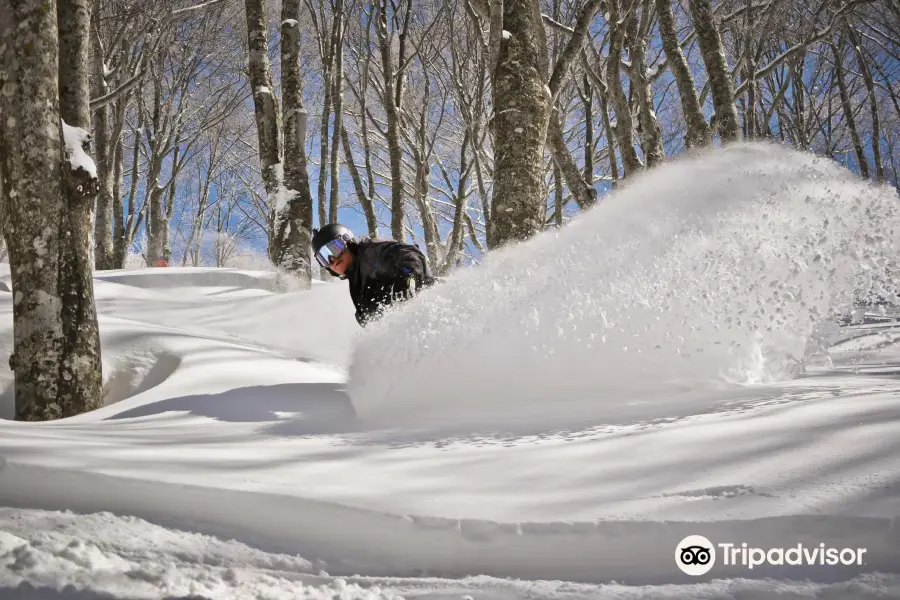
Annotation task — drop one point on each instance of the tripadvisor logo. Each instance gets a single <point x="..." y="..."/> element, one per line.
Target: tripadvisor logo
<point x="695" y="555"/>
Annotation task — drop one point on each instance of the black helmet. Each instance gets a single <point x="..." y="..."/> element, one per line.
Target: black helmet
<point x="332" y="231"/>
<point x="330" y="242"/>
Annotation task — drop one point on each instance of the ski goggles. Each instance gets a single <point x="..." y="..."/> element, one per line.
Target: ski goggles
<point x="329" y="253"/>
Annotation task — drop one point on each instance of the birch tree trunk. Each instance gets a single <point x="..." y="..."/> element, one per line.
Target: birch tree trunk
<point x="104" y="149"/>
<point x="49" y="192"/>
<point x="587" y="101"/>
<point x="368" y="205"/>
<point x="290" y="242"/>
<point x="557" y="196"/>
<point x="268" y="125"/>
<point x="873" y="104"/>
<point x="456" y="242"/>
<point x="522" y="105"/>
<point x="643" y="91"/>
<point x="624" y="127"/>
<point x="81" y="375"/>
<point x="393" y="92"/>
<point x="337" y="99"/>
<point x="720" y="81"/>
<point x="610" y="141"/>
<point x="124" y="229"/>
<point x="697" y="127"/>
<point x="32" y="154"/>
<point x="584" y="194"/>
<point x="323" y="135"/>
<point x="848" y="113"/>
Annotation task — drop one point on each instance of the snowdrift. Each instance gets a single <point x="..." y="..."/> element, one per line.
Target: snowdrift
<point x="165" y="332"/>
<point x="94" y="557"/>
<point x="704" y="273"/>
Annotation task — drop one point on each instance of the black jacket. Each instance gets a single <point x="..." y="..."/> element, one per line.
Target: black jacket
<point x="384" y="272"/>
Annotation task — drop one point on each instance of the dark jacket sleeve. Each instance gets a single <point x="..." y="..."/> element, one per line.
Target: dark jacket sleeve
<point x="395" y="262"/>
<point x="389" y="272"/>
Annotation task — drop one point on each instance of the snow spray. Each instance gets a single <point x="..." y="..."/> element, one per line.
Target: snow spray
<point x="707" y="272"/>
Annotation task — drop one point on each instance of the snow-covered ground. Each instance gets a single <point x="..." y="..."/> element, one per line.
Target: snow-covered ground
<point x="528" y="429"/>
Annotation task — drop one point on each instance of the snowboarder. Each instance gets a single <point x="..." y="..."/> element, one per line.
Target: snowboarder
<point x="380" y="272"/>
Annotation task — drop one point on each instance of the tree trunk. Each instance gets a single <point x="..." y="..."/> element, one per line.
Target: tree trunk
<point x="268" y="125"/>
<point x="557" y="196"/>
<point x="643" y="88"/>
<point x="323" y="141"/>
<point x="624" y="127"/>
<point x="32" y="155"/>
<point x="391" y="97"/>
<point x="49" y="191"/>
<point x="697" y="127"/>
<point x="848" y="113"/>
<point x="337" y="99"/>
<point x="104" y="149"/>
<point x="584" y="194"/>
<point x="457" y="239"/>
<point x="610" y="141"/>
<point x="799" y="109"/>
<point x="720" y="82"/>
<point x="522" y="111"/>
<point x="588" y="103"/>
<point x="169" y="206"/>
<point x="365" y="201"/>
<point x="873" y="104"/>
<point x="154" y="207"/>
<point x="81" y="375"/>
<point x="421" y="152"/>
<point x="749" y="76"/>
<point x="123" y="228"/>
<point x="290" y="246"/>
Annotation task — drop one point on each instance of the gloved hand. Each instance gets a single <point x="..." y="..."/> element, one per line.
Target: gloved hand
<point x="404" y="288"/>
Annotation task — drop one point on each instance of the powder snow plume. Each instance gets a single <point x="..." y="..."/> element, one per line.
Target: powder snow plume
<point x="705" y="273"/>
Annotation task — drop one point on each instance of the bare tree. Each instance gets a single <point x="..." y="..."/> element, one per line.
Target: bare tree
<point x="720" y="80"/>
<point x="641" y="83"/>
<point x="392" y="98"/>
<point x="697" y="127"/>
<point x="289" y="246"/>
<point x="268" y="119"/>
<point x="849" y="113"/>
<point x="50" y="183"/>
<point x="522" y="103"/>
<point x="866" y="71"/>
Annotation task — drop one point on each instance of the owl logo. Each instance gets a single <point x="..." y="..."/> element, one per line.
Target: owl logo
<point x="695" y="555"/>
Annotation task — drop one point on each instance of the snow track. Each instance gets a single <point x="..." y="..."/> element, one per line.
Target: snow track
<point x="63" y="556"/>
<point x="351" y="541"/>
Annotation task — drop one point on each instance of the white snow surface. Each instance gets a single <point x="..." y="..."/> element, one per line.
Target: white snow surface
<point x="490" y="439"/>
<point x="100" y="556"/>
<point x="74" y="137"/>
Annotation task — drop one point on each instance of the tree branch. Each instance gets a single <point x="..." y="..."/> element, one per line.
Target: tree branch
<point x="816" y="37"/>
<point x="573" y="47"/>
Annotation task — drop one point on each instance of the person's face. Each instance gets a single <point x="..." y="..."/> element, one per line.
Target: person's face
<point x="341" y="262"/>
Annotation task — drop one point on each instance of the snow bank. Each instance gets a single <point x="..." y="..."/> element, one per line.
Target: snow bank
<point x="699" y="275"/>
<point x="316" y="324"/>
<point x="130" y="558"/>
<point x="184" y="332"/>
<point x="51" y="555"/>
<point x="349" y="541"/>
<point x="191" y="277"/>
